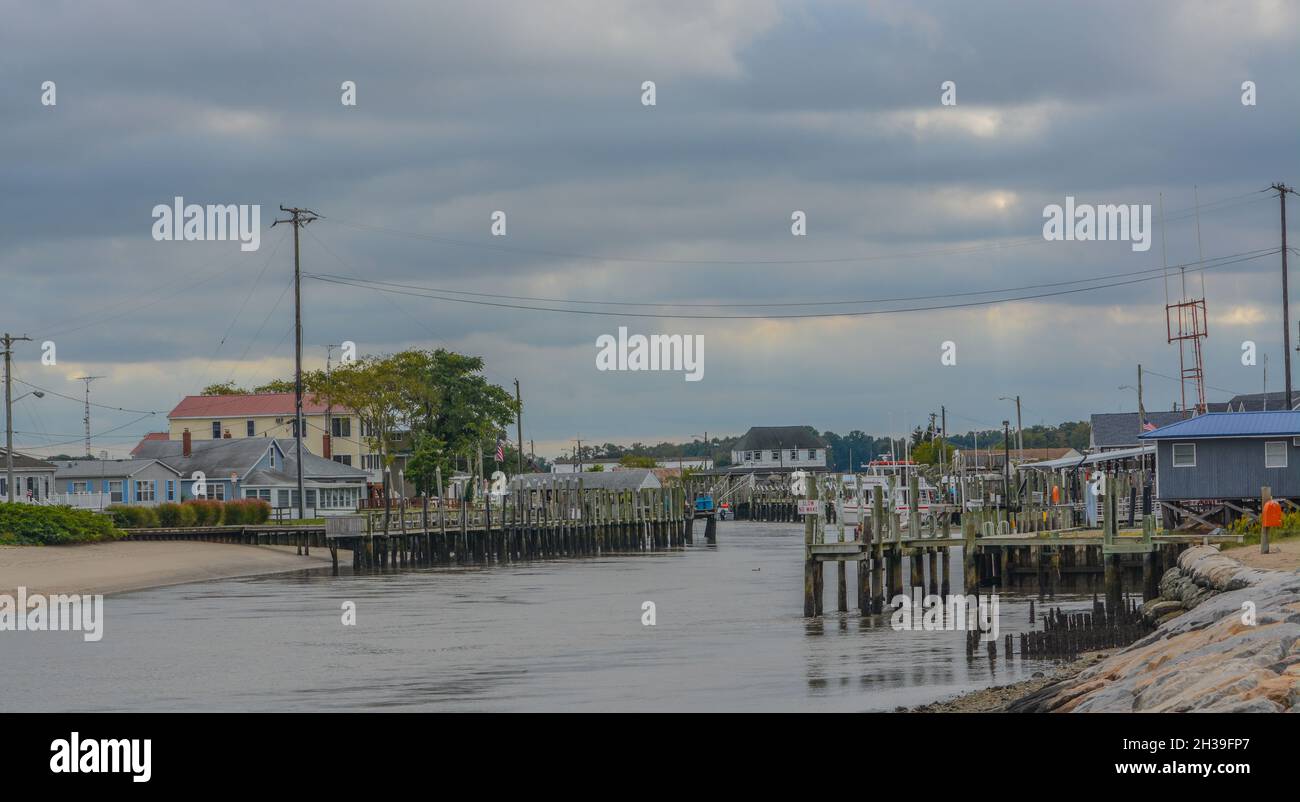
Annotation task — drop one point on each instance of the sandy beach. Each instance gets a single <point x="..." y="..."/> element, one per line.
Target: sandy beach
<point x="120" y="567"/>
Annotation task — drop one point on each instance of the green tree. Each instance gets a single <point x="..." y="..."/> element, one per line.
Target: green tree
<point x="223" y="388"/>
<point x="636" y="461"/>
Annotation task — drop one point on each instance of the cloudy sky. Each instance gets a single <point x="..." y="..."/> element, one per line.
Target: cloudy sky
<point x="682" y="208"/>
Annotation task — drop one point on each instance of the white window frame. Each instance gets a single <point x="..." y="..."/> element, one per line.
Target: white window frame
<point x="216" y="430"/>
<point x="1173" y="455"/>
<point x="1281" y="443"/>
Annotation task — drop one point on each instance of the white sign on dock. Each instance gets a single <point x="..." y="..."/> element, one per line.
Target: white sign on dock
<point x="810" y="506"/>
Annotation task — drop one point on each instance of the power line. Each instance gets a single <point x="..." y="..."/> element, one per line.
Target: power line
<point x="327" y="276"/>
<point x="951" y="250"/>
<point x="372" y="285"/>
<point x="79" y="401"/>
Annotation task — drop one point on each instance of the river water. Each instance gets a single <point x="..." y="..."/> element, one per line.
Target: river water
<point x="556" y="635"/>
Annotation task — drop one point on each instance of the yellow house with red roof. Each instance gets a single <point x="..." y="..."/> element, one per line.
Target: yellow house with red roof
<point x="334" y="433"/>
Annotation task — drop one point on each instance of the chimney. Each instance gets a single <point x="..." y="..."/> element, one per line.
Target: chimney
<point x="185" y="443"/>
<point x="226" y="436"/>
<point x="325" y="446"/>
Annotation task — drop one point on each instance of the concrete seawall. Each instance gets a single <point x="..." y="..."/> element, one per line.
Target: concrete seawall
<point x="1206" y="655"/>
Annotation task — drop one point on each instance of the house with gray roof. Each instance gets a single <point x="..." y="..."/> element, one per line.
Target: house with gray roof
<point x="1116" y="430"/>
<point x="33" y="478"/>
<point x="258" y="467"/>
<point x="97" y="483"/>
<point x="779" y="449"/>
<point x="1261" y="402"/>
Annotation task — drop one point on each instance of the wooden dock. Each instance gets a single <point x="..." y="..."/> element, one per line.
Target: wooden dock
<point x="997" y="546"/>
<point x="562" y="520"/>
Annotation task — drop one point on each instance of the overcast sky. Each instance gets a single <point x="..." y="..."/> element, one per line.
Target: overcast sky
<point x="535" y="109"/>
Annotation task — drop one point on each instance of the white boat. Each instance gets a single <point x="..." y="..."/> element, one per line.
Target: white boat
<point x="854" y="508"/>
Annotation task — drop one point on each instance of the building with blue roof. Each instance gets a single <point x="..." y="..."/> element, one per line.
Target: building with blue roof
<point x="1228" y="456"/>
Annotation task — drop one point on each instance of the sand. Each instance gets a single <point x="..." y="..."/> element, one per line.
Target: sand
<point x="120" y="567"/>
<point x="1282" y="555"/>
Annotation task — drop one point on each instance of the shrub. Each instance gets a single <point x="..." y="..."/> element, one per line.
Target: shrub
<point x="247" y="511"/>
<point x="207" y="512"/>
<point x="187" y="515"/>
<point x="129" y="516"/>
<point x="169" y="514"/>
<point x="30" y="524"/>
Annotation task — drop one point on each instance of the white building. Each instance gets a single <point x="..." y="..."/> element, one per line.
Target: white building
<point x="779" y="448"/>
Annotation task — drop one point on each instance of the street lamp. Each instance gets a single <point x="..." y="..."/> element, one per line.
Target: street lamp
<point x="1020" y="434"/>
<point x="1006" y="464"/>
<point x="9" y="439"/>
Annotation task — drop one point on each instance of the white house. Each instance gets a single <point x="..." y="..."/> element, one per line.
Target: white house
<point x="780" y="448"/>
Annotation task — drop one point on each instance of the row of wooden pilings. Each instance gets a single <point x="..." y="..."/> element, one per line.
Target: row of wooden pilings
<point x="1066" y="635"/>
<point x="562" y="520"/>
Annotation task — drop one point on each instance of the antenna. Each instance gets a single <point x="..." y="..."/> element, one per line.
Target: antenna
<point x="86" y="420"/>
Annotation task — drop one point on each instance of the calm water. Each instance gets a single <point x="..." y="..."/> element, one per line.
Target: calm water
<point x="564" y="635"/>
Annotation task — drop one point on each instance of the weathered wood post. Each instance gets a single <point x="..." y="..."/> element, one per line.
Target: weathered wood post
<point x="878" y="555"/>
<point x="810" y="600"/>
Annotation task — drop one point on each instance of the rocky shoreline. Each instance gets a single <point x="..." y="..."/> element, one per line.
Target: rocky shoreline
<point x="1227" y="640"/>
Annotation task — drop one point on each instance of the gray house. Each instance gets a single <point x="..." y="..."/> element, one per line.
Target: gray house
<point x="258" y="467"/>
<point x="33" y="478"/>
<point x="1228" y="455"/>
<point x="97" y="483"/>
<point x="1114" y="430"/>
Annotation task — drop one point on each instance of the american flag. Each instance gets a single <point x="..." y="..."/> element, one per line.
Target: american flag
<point x="1148" y="427"/>
<point x="501" y="450"/>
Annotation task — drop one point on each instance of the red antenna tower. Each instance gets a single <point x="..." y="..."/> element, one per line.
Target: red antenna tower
<point x="1186" y="321"/>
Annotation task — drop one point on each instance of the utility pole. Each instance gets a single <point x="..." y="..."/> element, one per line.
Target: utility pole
<point x="577" y="455"/>
<point x="329" y="405"/>
<point x="519" y="425"/>
<point x="1142" y="412"/>
<point x="1006" y="464"/>
<point x="298" y="219"/>
<point x="86" y="419"/>
<point x="943" y="436"/>
<point x="9" y="341"/>
<point x="1282" y="190"/>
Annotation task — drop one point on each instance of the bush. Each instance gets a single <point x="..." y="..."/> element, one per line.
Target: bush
<point x="169" y="514"/>
<point x="30" y="524"/>
<point x="187" y="515"/>
<point x="135" y="517"/>
<point x="207" y="512"/>
<point x="246" y="511"/>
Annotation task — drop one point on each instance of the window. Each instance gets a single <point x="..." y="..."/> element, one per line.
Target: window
<point x="344" y="459"/>
<point x="794" y="453"/>
<point x="776" y="455"/>
<point x="249" y="428"/>
<point x="115" y="492"/>
<point x="311" y="498"/>
<point x="216" y="430"/>
<point x="341" y="427"/>
<point x="282" y="498"/>
<point x="144" y="491"/>
<point x="1184" y="455"/>
<point x="1275" y="454"/>
<point x="812" y="453"/>
<point x="271" y="454"/>
<point x="171" y="489"/>
<point x="78" y="487"/>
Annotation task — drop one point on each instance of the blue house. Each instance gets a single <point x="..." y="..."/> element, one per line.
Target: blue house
<point x="1228" y="456"/>
<point x="257" y="467"/>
